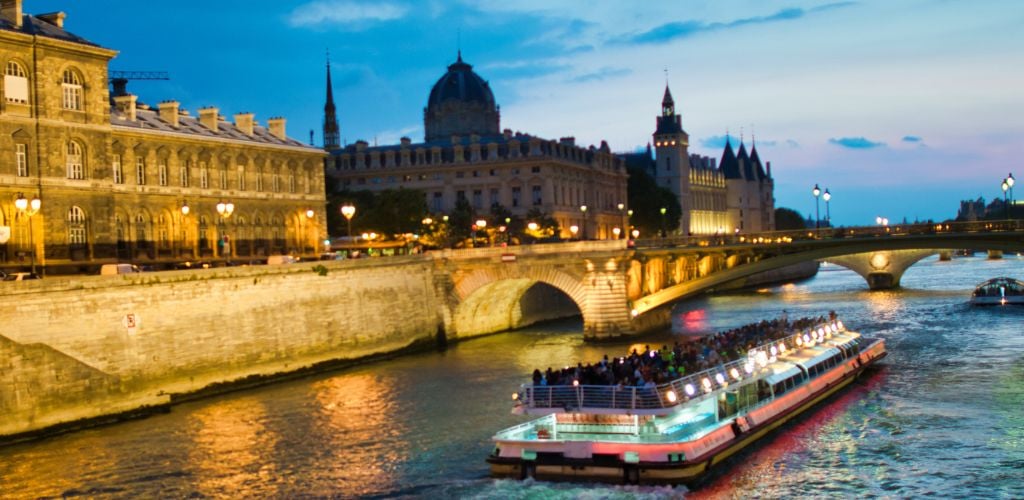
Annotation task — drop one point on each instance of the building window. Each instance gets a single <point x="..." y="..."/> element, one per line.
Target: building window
<point x="517" y="193"/>
<point x="15" y="83"/>
<point x="162" y="173"/>
<point x="535" y="195"/>
<point x="71" y="85"/>
<point x="140" y="230"/>
<point x="494" y="172"/>
<point x="478" y="199"/>
<point x="437" y="202"/>
<point x="535" y="170"/>
<point x="184" y="173"/>
<point x="276" y="183"/>
<point x="494" y="197"/>
<point x="291" y="182"/>
<point x="74" y="161"/>
<point x="306" y="183"/>
<point x="224" y="178"/>
<point x="76" y="226"/>
<point x="460" y="195"/>
<point x="140" y="171"/>
<point x="259" y="181"/>
<point x="668" y="164"/>
<point x="476" y="173"/>
<point x="21" y="159"/>
<point x="241" y="178"/>
<point x="117" y="169"/>
<point x="460" y="174"/>
<point x="204" y="176"/>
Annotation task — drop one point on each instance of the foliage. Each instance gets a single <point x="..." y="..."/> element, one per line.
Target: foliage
<point x="787" y="219"/>
<point x="388" y="212"/>
<point x="646" y="199"/>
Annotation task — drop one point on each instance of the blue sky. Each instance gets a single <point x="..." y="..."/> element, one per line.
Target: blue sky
<point x="900" y="108"/>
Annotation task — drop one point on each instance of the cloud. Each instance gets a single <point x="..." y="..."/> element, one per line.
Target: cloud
<point x="791" y="143"/>
<point x="713" y="142"/>
<point x="912" y="138"/>
<point x="601" y="74"/>
<point x="855" y="143"/>
<point x="344" y="12"/>
<point x="671" y="31"/>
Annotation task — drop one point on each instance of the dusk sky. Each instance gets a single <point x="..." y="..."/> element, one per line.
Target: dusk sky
<point x="900" y="108"/>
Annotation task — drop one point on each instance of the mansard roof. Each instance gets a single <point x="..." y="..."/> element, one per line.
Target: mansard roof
<point x="32" y="25"/>
<point x="148" y="119"/>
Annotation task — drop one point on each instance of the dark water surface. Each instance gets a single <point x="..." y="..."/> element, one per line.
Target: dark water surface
<point x="944" y="416"/>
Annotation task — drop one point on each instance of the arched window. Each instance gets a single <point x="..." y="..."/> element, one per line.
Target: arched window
<point x="76" y="226"/>
<point x="204" y="176"/>
<point x="74" y="161"/>
<point x="291" y="182"/>
<point x="184" y="173"/>
<point x="161" y="169"/>
<point x="140" y="229"/>
<point x="164" y="229"/>
<point x="259" y="180"/>
<point x="15" y="83"/>
<point x="241" y="178"/>
<point x="71" y="85"/>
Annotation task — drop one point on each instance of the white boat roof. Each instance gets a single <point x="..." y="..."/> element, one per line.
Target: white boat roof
<point x="782" y="373"/>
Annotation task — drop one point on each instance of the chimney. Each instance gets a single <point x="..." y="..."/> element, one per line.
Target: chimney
<point x="276" y="127"/>
<point x="126" y="104"/>
<point x="54" y="18"/>
<point x="208" y="117"/>
<point x="244" y="122"/>
<point x="169" y="112"/>
<point x="406" y="141"/>
<point x="567" y="141"/>
<point x="11" y="11"/>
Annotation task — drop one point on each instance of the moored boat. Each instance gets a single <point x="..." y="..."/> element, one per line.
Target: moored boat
<point x="998" y="291"/>
<point x="678" y="431"/>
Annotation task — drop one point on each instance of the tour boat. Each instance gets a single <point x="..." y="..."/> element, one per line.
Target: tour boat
<point x="677" y="432"/>
<point x="998" y="291"/>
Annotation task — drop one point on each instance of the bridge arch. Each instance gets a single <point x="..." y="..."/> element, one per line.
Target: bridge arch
<point x="507" y="297"/>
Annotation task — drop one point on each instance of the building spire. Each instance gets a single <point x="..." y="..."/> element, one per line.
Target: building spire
<point x="331" y="130"/>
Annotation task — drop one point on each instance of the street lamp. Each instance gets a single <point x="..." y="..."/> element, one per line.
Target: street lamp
<point x="616" y="231"/>
<point x="225" y="209"/>
<point x="574" y="229"/>
<point x="29" y="208"/>
<point x="878" y="220"/>
<point x="348" y="210"/>
<point x="1006" y="206"/>
<point x="622" y="207"/>
<point x="481" y="225"/>
<point x="828" y="216"/>
<point x="636" y="233"/>
<point x="309" y="219"/>
<point x="184" y="232"/>
<point x="1009" y="182"/>
<point x="583" y="208"/>
<point x="816" y="192"/>
<point x="663" y="232"/>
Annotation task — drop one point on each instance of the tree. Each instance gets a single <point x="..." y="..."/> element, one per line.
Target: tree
<point x="461" y="220"/>
<point x="388" y="212"/>
<point x="646" y="200"/>
<point x="788" y="219"/>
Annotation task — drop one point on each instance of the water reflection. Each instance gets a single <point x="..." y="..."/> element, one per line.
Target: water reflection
<point x="231" y="452"/>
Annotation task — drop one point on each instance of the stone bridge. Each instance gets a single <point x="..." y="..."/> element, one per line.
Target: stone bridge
<point x="620" y="289"/>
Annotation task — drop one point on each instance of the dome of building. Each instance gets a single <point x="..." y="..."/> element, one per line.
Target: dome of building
<point x="460" y="103"/>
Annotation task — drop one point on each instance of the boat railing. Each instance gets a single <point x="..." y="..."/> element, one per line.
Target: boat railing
<point x="681" y="390"/>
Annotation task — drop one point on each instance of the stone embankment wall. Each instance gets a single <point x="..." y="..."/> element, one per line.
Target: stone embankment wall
<point x="83" y="347"/>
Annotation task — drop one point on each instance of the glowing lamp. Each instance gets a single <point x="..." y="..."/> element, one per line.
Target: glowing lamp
<point x="634" y="313"/>
<point x="782" y="347"/>
<point x="748" y="367"/>
<point x="706" y="382"/>
<point x="689" y="389"/>
<point x="720" y="378"/>
<point x="807" y="339"/>
<point x="515" y="396"/>
<point x="734" y="373"/>
<point x="839" y="324"/>
<point x="671" y="396"/>
<point x="774" y="350"/>
<point x="575" y="383"/>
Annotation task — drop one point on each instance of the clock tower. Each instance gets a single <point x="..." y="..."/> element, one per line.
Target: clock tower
<point x="672" y="157"/>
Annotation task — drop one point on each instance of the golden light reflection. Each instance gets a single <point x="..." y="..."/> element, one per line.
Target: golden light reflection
<point x="357" y="414"/>
<point x="232" y="449"/>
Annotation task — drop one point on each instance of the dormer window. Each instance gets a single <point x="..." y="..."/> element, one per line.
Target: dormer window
<point x="71" y="85"/>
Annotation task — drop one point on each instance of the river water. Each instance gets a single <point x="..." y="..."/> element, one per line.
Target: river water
<point x="943" y="415"/>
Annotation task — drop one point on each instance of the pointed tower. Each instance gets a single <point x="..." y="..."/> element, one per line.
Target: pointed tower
<point x="331" y="132"/>
<point x="672" y="161"/>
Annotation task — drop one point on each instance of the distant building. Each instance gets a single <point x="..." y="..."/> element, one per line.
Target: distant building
<point x="466" y="155"/>
<point x="737" y="194"/>
<point x="971" y="210"/>
<point x="114" y="174"/>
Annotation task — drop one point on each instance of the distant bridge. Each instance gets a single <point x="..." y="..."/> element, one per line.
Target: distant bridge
<point x="621" y="290"/>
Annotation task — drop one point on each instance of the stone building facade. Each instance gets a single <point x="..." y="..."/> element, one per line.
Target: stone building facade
<point x="466" y="155"/>
<point x="113" y="174"/>
<point x="737" y="195"/>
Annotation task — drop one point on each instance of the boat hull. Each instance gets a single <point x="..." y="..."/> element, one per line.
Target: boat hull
<point x="551" y="467"/>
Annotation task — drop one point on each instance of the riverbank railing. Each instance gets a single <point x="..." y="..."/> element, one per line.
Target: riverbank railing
<point x="688" y="388"/>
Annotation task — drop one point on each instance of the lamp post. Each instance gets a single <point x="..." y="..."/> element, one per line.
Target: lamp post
<point x="663" y="232"/>
<point x="622" y="215"/>
<point x="225" y="209"/>
<point x="348" y="210"/>
<point x="1006" y="206"/>
<point x="574" y="229"/>
<point x="508" y="235"/>
<point x="29" y="208"/>
<point x="184" y="232"/>
<point x="636" y="233"/>
<point x="816" y="192"/>
<point x="481" y="225"/>
<point x="617" y="232"/>
<point x="447" y="230"/>
<point x="583" y="208"/>
<point x="1009" y="182"/>
<point x="828" y="216"/>
<point x="309" y="221"/>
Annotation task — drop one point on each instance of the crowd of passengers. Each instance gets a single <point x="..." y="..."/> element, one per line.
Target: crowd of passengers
<point x="654" y="367"/>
